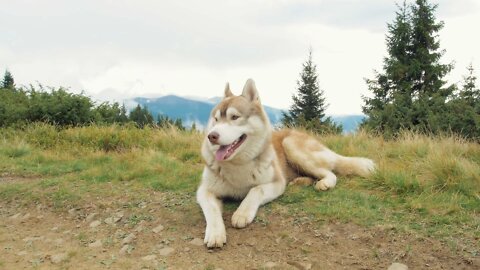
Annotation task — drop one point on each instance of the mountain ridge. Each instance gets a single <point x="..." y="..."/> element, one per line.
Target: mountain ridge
<point x="197" y="110"/>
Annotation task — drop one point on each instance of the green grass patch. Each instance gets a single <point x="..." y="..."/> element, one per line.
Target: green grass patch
<point x="422" y="184"/>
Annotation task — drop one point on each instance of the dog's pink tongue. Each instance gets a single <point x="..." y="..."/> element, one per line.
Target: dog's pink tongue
<point x="221" y="153"/>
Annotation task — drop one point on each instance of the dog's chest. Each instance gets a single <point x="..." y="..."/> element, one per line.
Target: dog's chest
<point x="247" y="175"/>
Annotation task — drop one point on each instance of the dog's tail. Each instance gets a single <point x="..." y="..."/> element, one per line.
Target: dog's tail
<point x="354" y="166"/>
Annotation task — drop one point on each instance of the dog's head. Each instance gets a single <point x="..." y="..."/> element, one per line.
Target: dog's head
<point x="238" y="126"/>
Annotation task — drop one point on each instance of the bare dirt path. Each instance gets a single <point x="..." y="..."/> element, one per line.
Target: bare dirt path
<point x="166" y="234"/>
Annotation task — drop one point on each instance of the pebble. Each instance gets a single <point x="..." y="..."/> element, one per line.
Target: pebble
<point x="95" y="244"/>
<point x="58" y="258"/>
<point x="158" y="229"/>
<point x="95" y="223"/>
<point x="149" y="257"/>
<point x="90" y="217"/>
<point x="114" y="219"/>
<point x="166" y="251"/>
<point x="34" y="238"/>
<point x="22" y="253"/>
<point x="72" y="211"/>
<point x="196" y="242"/>
<point x="128" y="239"/>
<point x="269" y="265"/>
<point x="140" y="227"/>
<point x="398" y="266"/>
<point x="54" y="229"/>
<point x="58" y="242"/>
<point x="17" y="215"/>
<point x="301" y="265"/>
<point x="125" y="249"/>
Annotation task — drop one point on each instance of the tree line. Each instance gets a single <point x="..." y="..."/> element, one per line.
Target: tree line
<point x="23" y="105"/>
<point x="410" y="93"/>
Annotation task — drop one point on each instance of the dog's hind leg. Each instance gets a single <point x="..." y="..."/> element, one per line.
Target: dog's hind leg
<point x="312" y="158"/>
<point x="302" y="181"/>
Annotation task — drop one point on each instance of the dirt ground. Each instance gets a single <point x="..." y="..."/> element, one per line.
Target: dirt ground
<point x="167" y="233"/>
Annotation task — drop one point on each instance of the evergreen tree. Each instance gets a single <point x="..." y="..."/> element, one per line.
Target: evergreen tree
<point x="8" y="81"/>
<point x="469" y="92"/>
<point x="410" y="92"/>
<point x="308" y="108"/>
<point x="141" y="116"/>
<point x="393" y="87"/>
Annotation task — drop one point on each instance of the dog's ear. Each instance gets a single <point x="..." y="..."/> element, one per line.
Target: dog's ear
<point x="250" y="91"/>
<point x="228" y="92"/>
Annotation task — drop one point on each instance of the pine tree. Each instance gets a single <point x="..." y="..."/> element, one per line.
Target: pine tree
<point x="392" y="88"/>
<point x="8" y="81"/>
<point x="308" y="108"/>
<point x="469" y="92"/>
<point x="141" y="116"/>
<point x="427" y="72"/>
<point x="410" y="92"/>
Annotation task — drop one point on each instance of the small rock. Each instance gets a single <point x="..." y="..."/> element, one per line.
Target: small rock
<point x="269" y="265"/>
<point x="34" y="238"/>
<point x="301" y="265"/>
<point x="54" y="229"/>
<point x="22" y="253"/>
<point x="149" y="257"/>
<point x="196" y="242"/>
<point x="187" y="249"/>
<point x="398" y="266"/>
<point x="166" y="251"/>
<point x="90" y="217"/>
<point x="27" y="215"/>
<point x="128" y="239"/>
<point x="119" y="234"/>
<point x="142" y="205"/>
<point x="17" y="215"/>
<point x="58" y="242"/>
<point x="158" y="229"/>
<point x="95" y="244"/>
<point x="125" y="249"/>
<point x="251" y="242"/>
<point x="72" y="211"/>
<point x="114" y="219"/>
<point x="95" y="223"/>
<point x="140" y="227"/>
<point x="58" y="258"/>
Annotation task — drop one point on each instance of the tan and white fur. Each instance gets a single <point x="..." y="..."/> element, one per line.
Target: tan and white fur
<point x="246" y="160"/>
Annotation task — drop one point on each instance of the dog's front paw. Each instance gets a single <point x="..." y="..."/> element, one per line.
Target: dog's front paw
<point x="215" y="236"/>
<point x="241" y="219"/>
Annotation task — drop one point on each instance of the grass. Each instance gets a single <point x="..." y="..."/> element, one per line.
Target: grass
<point x="430" y="186"/>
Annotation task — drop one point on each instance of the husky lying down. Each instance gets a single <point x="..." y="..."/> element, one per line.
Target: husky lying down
<point x="245" y="159"/>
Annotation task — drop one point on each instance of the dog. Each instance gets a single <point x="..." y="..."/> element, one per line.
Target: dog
<point x="245" y="159"/>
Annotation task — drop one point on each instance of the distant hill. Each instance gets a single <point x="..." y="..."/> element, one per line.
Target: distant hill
<point x="197" y="110"/>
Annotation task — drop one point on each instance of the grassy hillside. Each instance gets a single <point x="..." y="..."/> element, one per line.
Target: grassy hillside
<point x="429" y="186"/>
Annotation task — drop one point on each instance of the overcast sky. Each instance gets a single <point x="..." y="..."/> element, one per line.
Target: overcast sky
<point x="119" y="49"/>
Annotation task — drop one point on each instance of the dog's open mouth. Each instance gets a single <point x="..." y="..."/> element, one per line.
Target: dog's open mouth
<point x="225" y="151"/>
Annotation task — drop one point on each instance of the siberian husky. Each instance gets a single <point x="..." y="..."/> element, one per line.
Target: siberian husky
<point x="246" y="160"/>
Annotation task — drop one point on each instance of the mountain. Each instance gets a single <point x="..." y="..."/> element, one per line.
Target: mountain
<point x="197" y="110"/>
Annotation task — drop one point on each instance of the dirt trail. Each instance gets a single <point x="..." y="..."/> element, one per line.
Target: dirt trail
<point x="165" y="235"/>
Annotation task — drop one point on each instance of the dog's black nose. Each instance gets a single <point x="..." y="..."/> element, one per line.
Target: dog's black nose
<point x="213" y="137"/>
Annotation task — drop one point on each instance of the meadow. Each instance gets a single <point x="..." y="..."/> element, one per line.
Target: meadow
<point x="423" y="186"/>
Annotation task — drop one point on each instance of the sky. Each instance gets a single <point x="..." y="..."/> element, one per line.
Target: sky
<point x="119" y="49"/>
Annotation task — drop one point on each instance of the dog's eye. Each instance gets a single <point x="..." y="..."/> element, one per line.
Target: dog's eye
<point x="215" y="119"/>
<point x="235" y="117"/>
